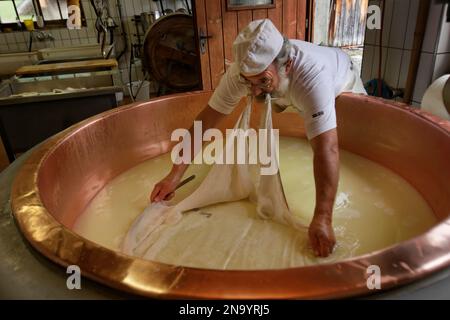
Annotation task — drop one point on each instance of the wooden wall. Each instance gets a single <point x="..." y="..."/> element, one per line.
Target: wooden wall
<point x="289" y="16"/>
<point x="348" y="23"/>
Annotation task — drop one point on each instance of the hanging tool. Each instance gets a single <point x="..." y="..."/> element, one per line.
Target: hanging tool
<point x="104" y="24"/>
<point x="111" y="26"/>
<point x="139" y="27"/>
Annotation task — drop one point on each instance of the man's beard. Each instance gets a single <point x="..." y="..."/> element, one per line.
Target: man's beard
<point x="283" y="84"/>
<point x="281" y="90"/>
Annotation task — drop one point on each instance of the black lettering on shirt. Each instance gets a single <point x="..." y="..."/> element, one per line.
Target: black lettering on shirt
<point x="318" y="114"/>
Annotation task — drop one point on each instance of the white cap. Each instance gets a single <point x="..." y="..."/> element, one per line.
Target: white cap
<point x="257" y="46"/>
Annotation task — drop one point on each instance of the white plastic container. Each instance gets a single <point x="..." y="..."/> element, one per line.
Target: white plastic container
<point x="433" y="99"/>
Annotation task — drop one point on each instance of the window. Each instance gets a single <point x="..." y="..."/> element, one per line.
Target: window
<point x="53" y="13"/>
<point x="249" y="4"/>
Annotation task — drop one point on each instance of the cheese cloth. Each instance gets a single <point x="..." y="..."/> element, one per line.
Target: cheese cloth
<point x="236" y="184"/>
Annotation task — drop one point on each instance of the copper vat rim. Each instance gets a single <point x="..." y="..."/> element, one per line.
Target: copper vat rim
<point x="341" y="279"/>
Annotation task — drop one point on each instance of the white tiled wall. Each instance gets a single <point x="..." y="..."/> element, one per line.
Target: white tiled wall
<point x="424" y="74"/>
<point x="18" y="41"/>
<point x="398" y="34"/>
<point x="404" y="67"/>
<point x="444" y="39"/>
<point x="411" y="24"/>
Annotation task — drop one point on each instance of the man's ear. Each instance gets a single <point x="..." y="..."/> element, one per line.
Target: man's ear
<point x="288" y="66"/>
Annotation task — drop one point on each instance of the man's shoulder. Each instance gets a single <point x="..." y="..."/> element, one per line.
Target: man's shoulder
<point x="232" y="70"/>
<point x="297" y="41"/>
<point x="301" y="43"/>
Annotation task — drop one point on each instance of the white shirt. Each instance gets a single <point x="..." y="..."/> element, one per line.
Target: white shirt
<point x="317" y="77"/>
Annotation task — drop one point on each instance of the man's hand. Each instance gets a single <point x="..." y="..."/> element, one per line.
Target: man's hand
<point x="326" y="176"/>
<point x="321" y="235"/>
<point x="164" y="190"/>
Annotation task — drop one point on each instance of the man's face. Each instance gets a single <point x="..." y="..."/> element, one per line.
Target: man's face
<point x="272" y="80"/>
<point x="265" y="82"/>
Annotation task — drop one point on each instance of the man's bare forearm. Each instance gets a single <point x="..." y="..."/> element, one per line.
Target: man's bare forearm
<point x="326" y="172"/>
<point x="326" y="175"/>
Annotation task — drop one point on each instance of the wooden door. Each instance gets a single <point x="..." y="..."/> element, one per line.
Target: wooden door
<point x="221" y="28"/>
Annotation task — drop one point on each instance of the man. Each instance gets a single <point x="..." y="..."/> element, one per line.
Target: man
<point x="298" y="73"/>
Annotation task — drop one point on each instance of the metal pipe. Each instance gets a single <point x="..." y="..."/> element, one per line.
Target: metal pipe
<point x="59" y="9"/>
<point x="162" y="7"/>
<point x="30" y="41"/>
<point x="187" y="6"/>
<point x="17" y="12"/>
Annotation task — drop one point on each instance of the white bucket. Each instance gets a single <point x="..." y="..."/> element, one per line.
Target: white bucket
<point x="433" y="99"/>
<point x="144" y="91"/>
